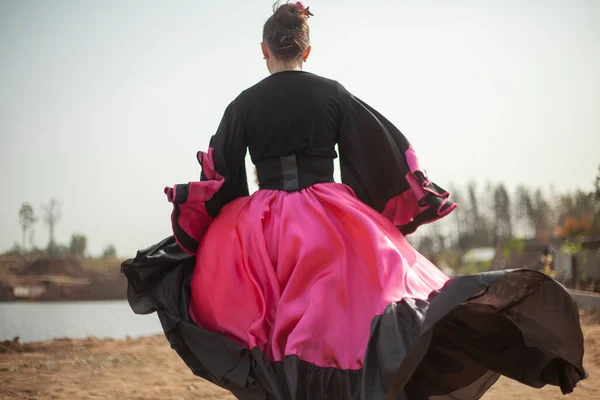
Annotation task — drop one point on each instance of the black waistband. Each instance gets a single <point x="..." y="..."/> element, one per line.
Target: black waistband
<point x="295" y="172"/>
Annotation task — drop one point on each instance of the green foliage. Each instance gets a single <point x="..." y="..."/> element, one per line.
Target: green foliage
<point x="78" y="246"/>
<point x="57" y="250"/>
<point x="16" y="250"/>
<point x="449" y="257"/>
<point x="474" y="268"/>
<point x="109" y="252"/>
<point x="571" y="247"/>
<point x="512" y="247"/>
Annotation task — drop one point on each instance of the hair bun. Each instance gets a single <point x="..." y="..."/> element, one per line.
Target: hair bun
<point x="286" y="31"/>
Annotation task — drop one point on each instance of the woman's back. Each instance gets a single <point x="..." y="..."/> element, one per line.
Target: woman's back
<point x="291" y="112"/>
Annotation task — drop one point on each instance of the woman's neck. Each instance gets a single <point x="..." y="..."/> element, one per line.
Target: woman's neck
<point x="286" y="66"/>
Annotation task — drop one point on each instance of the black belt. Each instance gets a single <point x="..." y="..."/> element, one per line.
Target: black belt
<point x="295" y="172"/>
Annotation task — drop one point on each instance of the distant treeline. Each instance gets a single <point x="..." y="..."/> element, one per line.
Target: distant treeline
<point x="51" y="214"/>
<point x="490" y="214"/>
<point x="487" y="215"/>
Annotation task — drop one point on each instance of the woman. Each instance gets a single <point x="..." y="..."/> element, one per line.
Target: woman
<point x="308" y="289"/>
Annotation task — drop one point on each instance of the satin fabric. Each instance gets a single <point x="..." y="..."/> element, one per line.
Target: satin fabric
<point x="190" y="217"/>
<point x="304" y="274"/>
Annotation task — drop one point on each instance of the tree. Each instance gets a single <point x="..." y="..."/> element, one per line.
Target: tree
<point x="475" y="216"/>
<point x="427" y="246"/>
<point x="109" y="252"/>
<point x="440" y="242"/>
<point x="503" y="227"/>
<point x="579" y="213"/>
<point x="597" y="205"/>
<point x="576" y="213"/>
<point x="487" y="214"/>
<point x="51" y="218"/>
<point x="542" y="215"/>
<point x="597" y="187"/>
<point x="524" y="218"/>
<point x="457" y="220"/>
<point x="78" y="245"/>
<point x="16" y="250"/>
<point x="27" y="219"/>
<point x="478" y="229"/>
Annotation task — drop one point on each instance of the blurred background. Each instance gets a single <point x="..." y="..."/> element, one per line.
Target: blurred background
<point x="103" y="103"/>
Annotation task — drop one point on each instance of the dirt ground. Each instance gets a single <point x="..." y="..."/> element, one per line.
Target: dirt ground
<point x="148" y="369"/>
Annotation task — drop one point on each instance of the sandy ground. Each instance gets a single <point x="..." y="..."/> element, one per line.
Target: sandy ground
<point x="148" y="369"/>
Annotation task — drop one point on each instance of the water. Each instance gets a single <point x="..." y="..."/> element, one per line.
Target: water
<point x="103" y="319"/>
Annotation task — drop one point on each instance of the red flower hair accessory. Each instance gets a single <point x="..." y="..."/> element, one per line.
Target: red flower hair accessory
<point x="305" y="10"/>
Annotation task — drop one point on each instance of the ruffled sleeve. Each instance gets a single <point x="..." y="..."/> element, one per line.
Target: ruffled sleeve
<point x="223" y="179"/>
<point x="380" y="165"/>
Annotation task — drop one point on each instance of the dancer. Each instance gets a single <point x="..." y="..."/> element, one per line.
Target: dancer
<point x="308" y="289"/>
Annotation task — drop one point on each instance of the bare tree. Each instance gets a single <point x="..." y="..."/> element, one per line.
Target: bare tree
<point x="51" y="218"/>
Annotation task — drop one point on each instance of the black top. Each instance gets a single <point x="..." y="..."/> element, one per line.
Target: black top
<point x="292" y="120"/>
<point x="291" y="112"/>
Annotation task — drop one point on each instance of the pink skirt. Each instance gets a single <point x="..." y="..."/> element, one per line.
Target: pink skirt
<point x="304" y="274"/>
<point x="313" y="295"/>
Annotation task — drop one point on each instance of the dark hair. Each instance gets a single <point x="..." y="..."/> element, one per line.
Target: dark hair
<point x="286" y="31"/>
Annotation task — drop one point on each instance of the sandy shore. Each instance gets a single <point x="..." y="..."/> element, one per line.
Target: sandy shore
<point x="148" y="369"/>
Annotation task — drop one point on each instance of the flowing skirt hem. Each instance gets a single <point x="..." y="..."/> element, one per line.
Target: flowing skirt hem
<point x="454" y="345"/>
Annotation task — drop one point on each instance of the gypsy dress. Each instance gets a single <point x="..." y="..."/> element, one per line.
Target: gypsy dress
<point x="308" y="289"/>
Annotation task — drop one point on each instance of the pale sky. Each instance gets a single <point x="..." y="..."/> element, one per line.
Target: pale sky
<point x="103" y="103"/>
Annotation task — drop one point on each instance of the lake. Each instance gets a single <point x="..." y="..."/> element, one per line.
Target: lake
<point x="33" y="322"/>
